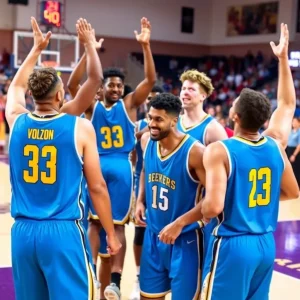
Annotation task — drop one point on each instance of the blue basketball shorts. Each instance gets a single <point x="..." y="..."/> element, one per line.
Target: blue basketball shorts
<point x="171" y="268"/>
<point x="239" y="268"/>
<point x="117" y="172"/>
<point x="51" y="260"/>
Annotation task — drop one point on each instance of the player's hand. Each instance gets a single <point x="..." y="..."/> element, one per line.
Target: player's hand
<point x="113" y="244"/>
<point x="144" y="37"/>
<point x="292" y="158"/>
<point x="98" y="44"/>
<point x="140" y="214"/>
<point x="281" y="50"/>
<point x="170" y="233"/>
<point x="86" y="34"/>
<point x="40" y="42"/>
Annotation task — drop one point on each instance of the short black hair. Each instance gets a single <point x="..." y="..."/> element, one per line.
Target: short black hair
<point x="157" y="89"/>
<point x="253" y="109"/>
<point x="168" y="102"/>
<point x="113" y="72"/>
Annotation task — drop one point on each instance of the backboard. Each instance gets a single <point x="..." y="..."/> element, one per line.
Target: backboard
<point x="62" y="52"/>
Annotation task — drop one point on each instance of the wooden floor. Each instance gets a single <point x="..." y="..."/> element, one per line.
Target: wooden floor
<point x="286" y="278"/>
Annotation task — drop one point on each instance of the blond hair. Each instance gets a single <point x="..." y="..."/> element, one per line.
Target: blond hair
<point x="199" y="77"/>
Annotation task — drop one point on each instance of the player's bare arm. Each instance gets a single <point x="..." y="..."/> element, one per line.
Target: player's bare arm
<point x="281" y="120"/>
<point x="289" y="187"/>
<point x="96" y="184"/>
<point x="140" y="203"/>
<point x="79" y="71"/>
<point x="86" y="94"/>
<point x="139" y="134"/>
<point x="215" y="132"/>
<point x="217" y="169"/>
<point x="170" y="233"/>
<point x="136" y="98"/>
<point x="16" y="93"/>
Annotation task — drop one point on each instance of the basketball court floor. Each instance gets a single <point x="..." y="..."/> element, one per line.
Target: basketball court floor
<point x="286" y="277"/>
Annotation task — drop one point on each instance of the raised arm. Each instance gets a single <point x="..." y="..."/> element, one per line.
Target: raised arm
<point x="76" y="76"/>
<point x="281" y="120"/>
<point x="16" y="104"/>
<point x="136" y="98"/>
<point x="79" y="71"/>
<point x="96" y="184"/>
<point x="86" y="94"/>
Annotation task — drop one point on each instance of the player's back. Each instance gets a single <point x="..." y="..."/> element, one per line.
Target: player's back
<point x="197" y="131"/>
<point x="114" y="129"/>
<point x="170" y="189"/>
<point x="45" y="168"/>
<point x="139" y="152"/>
<point x="253" y="189"/>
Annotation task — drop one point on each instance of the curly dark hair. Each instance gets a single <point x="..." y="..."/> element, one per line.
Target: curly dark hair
<point x="253" y="109"/>
<point x="42" y="82"/>
<point x="168" y="102"/>
<point x="113" y="72"/>
<point x="157" y="89"/>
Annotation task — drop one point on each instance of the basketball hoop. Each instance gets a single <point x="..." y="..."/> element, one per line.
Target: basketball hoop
<point x="49" y="64"/>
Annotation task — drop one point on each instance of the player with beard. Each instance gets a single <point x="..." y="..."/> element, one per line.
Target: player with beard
<point x="46" y="183"/>
<point x="262" y="179"/>
<point x="142" y="127"/>
<point x="173" y="171"/>
<point x="114" y="122"/>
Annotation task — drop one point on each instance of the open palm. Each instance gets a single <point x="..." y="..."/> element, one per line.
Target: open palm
<point x="281" y="50"/>
<point x="144" y="36"/>
<point x="40" y="41"/>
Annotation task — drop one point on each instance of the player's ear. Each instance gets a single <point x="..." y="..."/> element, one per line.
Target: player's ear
<point x="174" y="121"/>
<point x="59" y="96"/>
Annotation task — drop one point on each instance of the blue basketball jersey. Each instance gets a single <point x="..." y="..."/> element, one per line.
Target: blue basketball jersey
<point x="114" y="130"/>
<point x="197" y="131"/>
<point x="253" y="188"/>
<point x="139" y="152"/>
<point x="170" y="189"/>
<point x="45" y="168"/>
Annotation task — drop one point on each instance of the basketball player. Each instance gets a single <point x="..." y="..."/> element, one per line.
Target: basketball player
<point x="244" y="194"/>
<point x="48" y="150"/>
<point x="196" y="87"/>
<point x="142" y="126"/>
<point x="114" y="123"/>
<point x="173" y="170"/>
<point x="279" y="124"/>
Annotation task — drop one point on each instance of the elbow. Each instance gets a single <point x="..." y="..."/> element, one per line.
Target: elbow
<point x="211" y="211"/>
<point x="98" y="189"/>
<point x="291" y="194"/>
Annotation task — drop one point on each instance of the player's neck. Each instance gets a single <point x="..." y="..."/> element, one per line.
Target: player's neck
<point x="45" y="109"/>
<point x="108" y="104"/>
<point x="252" y="136"/>
<point x="169" y="143"/>
<point x="193" y="115"/>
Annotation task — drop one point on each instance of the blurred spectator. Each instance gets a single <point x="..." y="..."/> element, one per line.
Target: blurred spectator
<point x="293" y="148"/>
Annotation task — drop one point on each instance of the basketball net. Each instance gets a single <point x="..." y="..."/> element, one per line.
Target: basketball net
<point x="49" y="64"/>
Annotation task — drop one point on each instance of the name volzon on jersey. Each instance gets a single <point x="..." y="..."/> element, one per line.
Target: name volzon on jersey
<point x="40" y="134"/>
<point x="158" y="177"/>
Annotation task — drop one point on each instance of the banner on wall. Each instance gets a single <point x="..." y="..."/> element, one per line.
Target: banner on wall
<point x="252" y="19"/>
